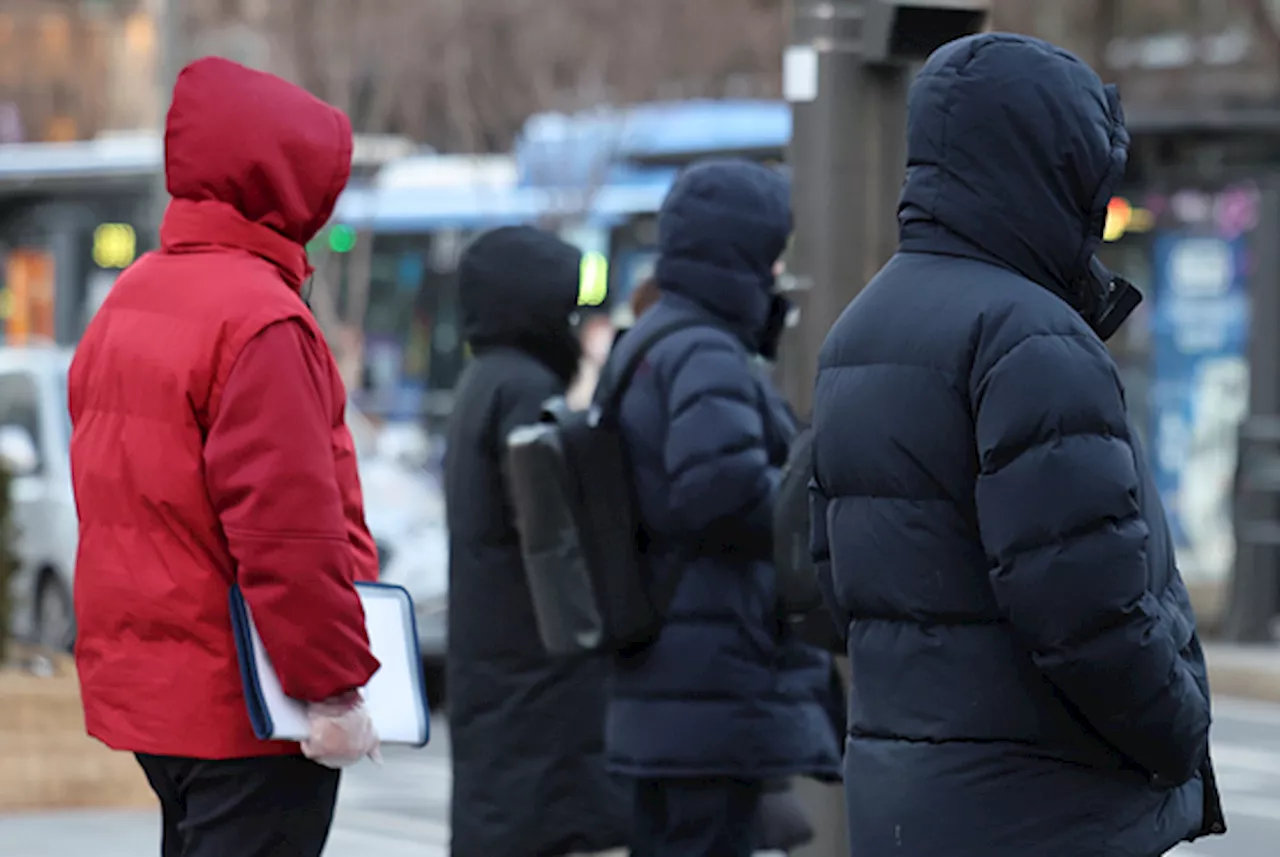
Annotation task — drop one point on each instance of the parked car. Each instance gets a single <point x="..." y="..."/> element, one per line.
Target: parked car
<point x="35" y="438"/>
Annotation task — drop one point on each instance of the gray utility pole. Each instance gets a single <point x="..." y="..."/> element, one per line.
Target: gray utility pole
<point x="169" y="61"/>
<point x="846" y="74"/>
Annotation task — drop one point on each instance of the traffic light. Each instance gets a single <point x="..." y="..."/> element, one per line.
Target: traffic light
<point x="1123" y="218"/>
<point x="115" y="245"/>
<point x="342" y="239"/>
<point x="593" y="279"/>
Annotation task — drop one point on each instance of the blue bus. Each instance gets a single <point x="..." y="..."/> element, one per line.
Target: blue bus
<point x="644" y="146"/>
<point x="598" y="178"/>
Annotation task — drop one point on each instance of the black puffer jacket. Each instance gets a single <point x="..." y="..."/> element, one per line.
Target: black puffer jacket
<point x="527" y="731"/>
<point x="726" y="690"/>
<point x="1026" y="674"/>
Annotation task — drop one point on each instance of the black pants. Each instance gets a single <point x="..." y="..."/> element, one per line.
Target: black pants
<point x="274" y="806"/>
<point x="711" y="817"/>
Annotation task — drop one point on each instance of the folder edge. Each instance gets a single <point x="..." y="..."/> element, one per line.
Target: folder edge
<point x="259" y="713"/>
<point x="414" y="654"/>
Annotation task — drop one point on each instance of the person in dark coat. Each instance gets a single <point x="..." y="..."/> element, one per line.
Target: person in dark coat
<point x="527" y="731"/>
<point x="723" y="700"/>
<point x="1026" y="673"/>
<point x="781" y="823"/>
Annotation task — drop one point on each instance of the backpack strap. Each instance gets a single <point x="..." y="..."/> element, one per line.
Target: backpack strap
<point x="608" y="396"/>
<point x="606" y="402"/>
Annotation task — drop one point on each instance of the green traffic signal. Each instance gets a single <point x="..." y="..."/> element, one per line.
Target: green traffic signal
<point x="342" y="239"/>
<point x="593" y="279"/>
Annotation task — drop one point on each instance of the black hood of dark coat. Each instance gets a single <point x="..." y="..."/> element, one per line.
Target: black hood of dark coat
<point x="721" y="228"/>
<point x="519" y="289"/>
<point x="1014" y="149"/>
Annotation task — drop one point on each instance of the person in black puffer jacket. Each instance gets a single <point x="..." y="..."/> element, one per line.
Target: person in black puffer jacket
<point x="726" y="698"/>
<point x="781" y="824"/>
<point x="1027" y="678"/>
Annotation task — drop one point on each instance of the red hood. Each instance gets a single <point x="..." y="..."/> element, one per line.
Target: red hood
<point x="257" y="143"/>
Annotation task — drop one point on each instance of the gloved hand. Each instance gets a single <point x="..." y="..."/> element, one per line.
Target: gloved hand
<point x="341" y="732"/>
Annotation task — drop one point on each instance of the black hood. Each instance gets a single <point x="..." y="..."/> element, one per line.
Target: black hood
<point x="519" y="289"/>
<point x="1014" y="149"/>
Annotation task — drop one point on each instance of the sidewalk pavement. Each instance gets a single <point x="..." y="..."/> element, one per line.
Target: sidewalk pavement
<point x="401" y="809"/>
<point x="1245" y="672"/>
<point x="398" y="810"/>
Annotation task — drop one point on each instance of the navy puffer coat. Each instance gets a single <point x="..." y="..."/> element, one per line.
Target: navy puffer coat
<point x="1026" y="674"/>
<point x="724" y="690"/>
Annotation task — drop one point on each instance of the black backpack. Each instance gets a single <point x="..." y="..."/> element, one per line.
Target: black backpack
<point x="580" y="536"/>
<point x="800" y="598"/>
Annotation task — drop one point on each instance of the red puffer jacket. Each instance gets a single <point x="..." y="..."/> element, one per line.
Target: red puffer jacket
<point x="209" y="443"/>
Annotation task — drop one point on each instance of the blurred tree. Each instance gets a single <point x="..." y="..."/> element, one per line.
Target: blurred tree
<point x="1078" y="26"/>
<point x="56" y="72"/>
<point x="463" y="75"/>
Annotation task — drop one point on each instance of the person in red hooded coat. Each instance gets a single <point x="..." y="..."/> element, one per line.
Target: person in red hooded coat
<point x="209" y="449"/>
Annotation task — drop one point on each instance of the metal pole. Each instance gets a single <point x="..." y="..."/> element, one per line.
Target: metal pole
<point x="846" y="73"/>
<point x="169" y="61"/>
<point x="847" y="156"/>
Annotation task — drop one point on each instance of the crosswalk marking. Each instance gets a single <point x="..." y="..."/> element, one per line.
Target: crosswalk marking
<point x="1246" y="710"/>
<point x="1255" y="807"/>
<point x="1230" y="755"/>
<point x="350" y="844"/>
<point x="390" y="822"/>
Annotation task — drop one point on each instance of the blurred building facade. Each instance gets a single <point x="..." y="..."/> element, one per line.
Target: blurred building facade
<point x="73" y="70"/>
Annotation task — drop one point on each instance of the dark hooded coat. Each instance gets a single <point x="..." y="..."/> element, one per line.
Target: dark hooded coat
<point x="724" y="690"/>
<point x="527" y="731"/>
<point x="1027" y="678"/>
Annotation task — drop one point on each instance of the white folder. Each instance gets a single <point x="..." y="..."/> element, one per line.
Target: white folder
<point x="396" y="696"/>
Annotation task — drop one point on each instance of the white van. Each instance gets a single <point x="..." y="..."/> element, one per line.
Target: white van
<point x="35" y="440"/>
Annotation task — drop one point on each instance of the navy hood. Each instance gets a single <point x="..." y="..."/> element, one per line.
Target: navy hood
<point x="1014" y="148"/>
<point x="722" y="227"/>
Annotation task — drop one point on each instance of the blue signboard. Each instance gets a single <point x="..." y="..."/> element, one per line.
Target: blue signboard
<point x="1200" y="391"/>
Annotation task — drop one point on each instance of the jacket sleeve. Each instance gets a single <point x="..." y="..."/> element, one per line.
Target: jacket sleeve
<point x="365" y="564"/>
<point x="270" y="474"/>
<point x="827" y="628"/>
<point x="715" y="455"/>
<point x="1057" y="502"/>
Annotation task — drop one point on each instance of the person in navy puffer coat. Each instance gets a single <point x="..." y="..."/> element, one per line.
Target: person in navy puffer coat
<point x="723" y="699"/>
<point x="1027" y="678"/>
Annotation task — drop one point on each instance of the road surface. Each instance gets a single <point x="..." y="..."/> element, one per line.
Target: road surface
<point x="1246" y="752"/>
<point x="398" y="810"/>
<point x="401" y="809"/>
